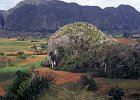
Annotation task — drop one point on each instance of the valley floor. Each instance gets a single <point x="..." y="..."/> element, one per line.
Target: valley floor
<point x="62" y="77"/>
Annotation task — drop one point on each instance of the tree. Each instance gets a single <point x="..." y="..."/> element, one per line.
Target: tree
<point x="53" y="59"/>
<point x="26" y="88"/>
<point x="135" y="58"/>
<point x="18" y="87"/>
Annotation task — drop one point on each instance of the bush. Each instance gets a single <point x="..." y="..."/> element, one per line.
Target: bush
<point x="24" y="56"/>
<point x="45" y="64"/>
<point x="20" y="52"/>
<point x="88" y="83"/>
<point x="116" y="61"/>
<point x="116" y="93"/>
<point x="21" y="55"/>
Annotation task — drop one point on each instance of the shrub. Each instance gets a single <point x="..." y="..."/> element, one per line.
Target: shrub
<point x="20" y="52"/>
<point x="21" y="55"/>
<point x="116" y="93"/>
<point x="24" y="56"/>
<point x="46" y="64"/>
<point x="88" y="83"/>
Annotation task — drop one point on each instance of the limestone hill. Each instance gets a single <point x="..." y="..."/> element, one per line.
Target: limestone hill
<point x="80" y="33"/>
<point x="76" y="45"/>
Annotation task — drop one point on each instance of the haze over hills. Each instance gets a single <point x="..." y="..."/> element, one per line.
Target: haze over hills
<point x="49" y="15"/>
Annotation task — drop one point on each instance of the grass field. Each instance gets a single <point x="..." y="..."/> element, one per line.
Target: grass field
<point x="12" y="45"/>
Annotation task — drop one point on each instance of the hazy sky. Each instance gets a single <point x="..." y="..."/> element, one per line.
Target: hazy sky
<point x="6" y="4"/>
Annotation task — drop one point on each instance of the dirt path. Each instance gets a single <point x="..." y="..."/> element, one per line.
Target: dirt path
<point x="61" y="76"/>
<point x="32" y="60"/>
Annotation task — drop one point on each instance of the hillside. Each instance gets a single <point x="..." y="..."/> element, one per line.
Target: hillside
<point x="49" y="15"/>
<point x="78" y="34"/>
<point x="76" y="45"/>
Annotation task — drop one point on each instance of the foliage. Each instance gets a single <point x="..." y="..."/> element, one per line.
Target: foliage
<point x="116" y="93"/>
<point x="119" y="62"/>
<point x="88" y="83"/>
<point x="26" y="88"/>
<point x="77" y="35"/>
<point x="18" y="87"/>
<point x="82" y="47"/>
<point x="21" y="55"/>
<point x="74" y="44"/>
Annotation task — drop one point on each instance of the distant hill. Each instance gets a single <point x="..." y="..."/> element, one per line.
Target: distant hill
<point x="2" y="19"/>
<point x="49" y="15"/>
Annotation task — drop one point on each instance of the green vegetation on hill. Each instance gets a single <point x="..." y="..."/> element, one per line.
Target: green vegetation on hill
<point x="75" y="44"/>
<point x="78" y="34"/>
<point x="81" y="47"/>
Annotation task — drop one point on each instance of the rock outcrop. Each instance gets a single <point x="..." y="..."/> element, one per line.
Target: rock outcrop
<point x="49" y="15"/>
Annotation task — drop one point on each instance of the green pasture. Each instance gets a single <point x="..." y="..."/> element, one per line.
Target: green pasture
<point x="7" y="45"/>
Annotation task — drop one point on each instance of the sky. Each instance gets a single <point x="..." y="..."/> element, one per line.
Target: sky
<point x="7" y="4"/>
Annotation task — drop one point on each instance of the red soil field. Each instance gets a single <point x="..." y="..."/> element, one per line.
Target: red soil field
<point x="127" y="41"/>
<point x="8" y="57"/>
<point x="29" y="52"/>
<point x="61" y="76"/>
<point x="2" y="92"/>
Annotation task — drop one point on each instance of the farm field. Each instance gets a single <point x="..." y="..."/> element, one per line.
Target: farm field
<point x="13" y="45"/>
<point x="8" y="50"/>
<point x="127" y="41"/>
